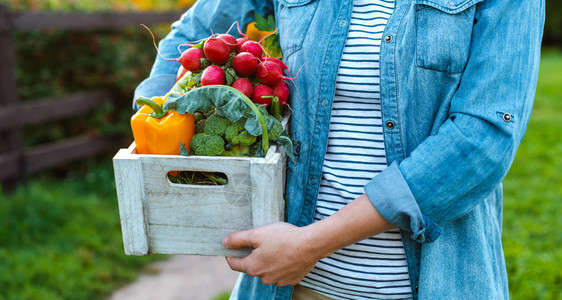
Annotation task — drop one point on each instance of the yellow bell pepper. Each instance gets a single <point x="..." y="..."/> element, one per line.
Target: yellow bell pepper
<point x="160" y="132"/>
<point x="255" y="34"/>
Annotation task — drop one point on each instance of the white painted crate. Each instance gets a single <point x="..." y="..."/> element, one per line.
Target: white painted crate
<point x="158" y="216"/>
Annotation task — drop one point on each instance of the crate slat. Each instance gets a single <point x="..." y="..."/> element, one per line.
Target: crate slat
<point x="199" y="241"/>
<point x="129" y="186"/>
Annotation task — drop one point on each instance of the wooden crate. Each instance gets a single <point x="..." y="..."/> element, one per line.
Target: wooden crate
<point x="158" y="216"/>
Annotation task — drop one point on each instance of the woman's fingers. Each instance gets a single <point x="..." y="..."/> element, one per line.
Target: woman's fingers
<point x="240" y="239"/>
<point x="236" y="264"/>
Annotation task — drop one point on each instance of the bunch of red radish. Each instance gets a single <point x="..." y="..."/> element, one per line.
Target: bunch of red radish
<point x="242" y="63"/>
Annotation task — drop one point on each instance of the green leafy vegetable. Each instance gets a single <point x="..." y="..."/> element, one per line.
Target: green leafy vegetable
<point x="232" y="123"/>
<point x="216" y="125"/>
<point x="183" y="150"/>
<point x="188" y="81"/>
<point x="286" y="142"/>
<point x="264" y="24"/>
<point x="203" y="144"/>
<point x="229" y="103"/>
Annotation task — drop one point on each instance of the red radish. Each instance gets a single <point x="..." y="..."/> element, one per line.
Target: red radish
<point x="245" y="64"/>
<point x="253" y="47"/>
<point x="216" y="51"/>
<point x="261" y="91"/>
<point x="181" y="72"/>
<point x="241" y="41"/>
<point x="269" y="72"/>
<point x="213" y="75"/>
<point x="281" y="91"/>
<point x="276" y="60"/>
<point x="229" y="40"/>
<point x="244" y="85"/>
<point x="190" y="59"/>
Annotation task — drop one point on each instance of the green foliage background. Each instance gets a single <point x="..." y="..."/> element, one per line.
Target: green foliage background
<point x="60" y="235"/>
<point x="61" y="239"/>
<point x="553" y="24"/>
<point x="56" y="63"/>
<point x="96" y="5"/>
<point x="533" y="194"/>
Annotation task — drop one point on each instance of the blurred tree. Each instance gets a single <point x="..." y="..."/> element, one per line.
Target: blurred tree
<point x="98" y="5"/>
<point x="86" y="60"/>
<point x="553" y="25"/>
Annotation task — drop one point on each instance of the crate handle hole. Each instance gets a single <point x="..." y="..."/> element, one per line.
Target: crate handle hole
<point x="197" y="178"/>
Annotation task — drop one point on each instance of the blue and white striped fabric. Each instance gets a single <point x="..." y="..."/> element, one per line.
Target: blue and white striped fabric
<point x="374" y="268"/>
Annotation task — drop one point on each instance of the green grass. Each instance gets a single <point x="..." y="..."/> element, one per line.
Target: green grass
<point x="62" y="239"/>
<point x="532" y="236"/>
<point x="222" y="296"/>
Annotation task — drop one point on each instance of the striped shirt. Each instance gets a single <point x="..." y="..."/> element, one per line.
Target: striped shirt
<point x="374" y="268"/>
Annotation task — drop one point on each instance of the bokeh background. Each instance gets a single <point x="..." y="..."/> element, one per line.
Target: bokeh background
<point x="60" y="235"/>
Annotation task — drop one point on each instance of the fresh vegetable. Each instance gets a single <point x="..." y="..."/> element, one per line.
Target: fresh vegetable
<point x="266" y="30"/>
<point x="200" y="126"/>
<point x="228" y="102"/>
<point x="252" y="47"/>
<point x="216" y="50"/>
<point x="216" y="125"/>
<point x="262" y="94"/>
<point x="281" y="91"/>
<point x="269" y="72"/>
<point x="256" y="34"/>
<point x="245" y="64"/>
<point x="240" y="42"/>
<point x="213" y="75"/>
<point x="244" y="85"/>
<point x="276" y="60"/>
<point x="274" y="128"/>
<point x="190" y="59"/>
<point x="236" y="92"/>
<point x="204" y="144"/>
<point x="181" y="72"/>
<point x="229" y="40"/>
<point x="235" y="134"/>
<point x="160" y="131"/>
<point x="276" y="108"/>
<point x="239" y="140"/>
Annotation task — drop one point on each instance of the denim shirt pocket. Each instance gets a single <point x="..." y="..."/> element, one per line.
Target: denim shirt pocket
<point x="293" y="20"/>
<point x="443" y="34"/>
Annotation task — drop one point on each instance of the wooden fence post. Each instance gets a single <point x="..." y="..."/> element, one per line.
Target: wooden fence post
<point x="11" y="141"/>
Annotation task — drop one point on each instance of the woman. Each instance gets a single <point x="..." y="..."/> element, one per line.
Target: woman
<point x="409" y="114"/>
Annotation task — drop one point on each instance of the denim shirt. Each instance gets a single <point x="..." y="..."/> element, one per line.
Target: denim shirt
<point x="457" y="81"/>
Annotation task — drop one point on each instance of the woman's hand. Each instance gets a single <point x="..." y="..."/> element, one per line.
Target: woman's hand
<point x="283" y="253"/>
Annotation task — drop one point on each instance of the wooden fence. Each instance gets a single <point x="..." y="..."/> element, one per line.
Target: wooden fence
<point x="16" y="162"/>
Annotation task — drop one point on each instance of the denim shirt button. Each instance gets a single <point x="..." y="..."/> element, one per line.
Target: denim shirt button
<point x="389" y="124"/>
<point x="388" y="38"/>
<point x="324" y="102"/>
<point x="313" y="180"/>
<point x="416" y="289"/>
<point x="506" y="117"/>
<point x="342" y="23"/>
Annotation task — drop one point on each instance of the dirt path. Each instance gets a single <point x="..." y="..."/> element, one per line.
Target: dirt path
<point x="182" y="277"/>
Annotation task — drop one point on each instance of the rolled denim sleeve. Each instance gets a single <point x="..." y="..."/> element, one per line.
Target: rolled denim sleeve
<point x="452" y="171"/>
<point x="200" y="21"/>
